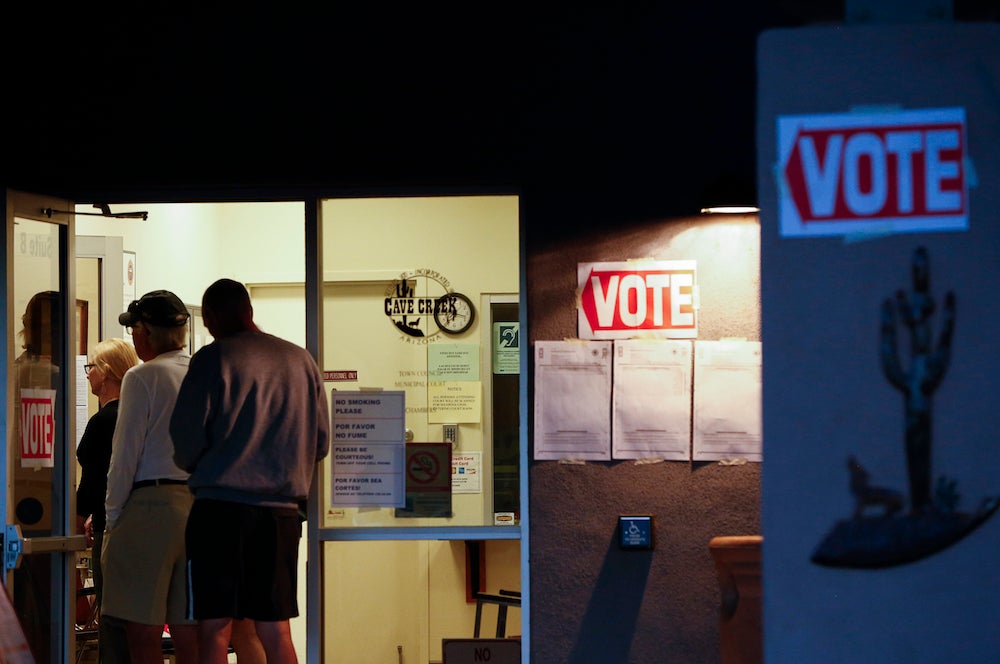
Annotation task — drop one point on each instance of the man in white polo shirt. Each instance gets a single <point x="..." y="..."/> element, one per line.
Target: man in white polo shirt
<point x="148" y="499"/>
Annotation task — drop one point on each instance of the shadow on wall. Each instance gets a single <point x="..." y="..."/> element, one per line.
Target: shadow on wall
<point x="609" y="624"/>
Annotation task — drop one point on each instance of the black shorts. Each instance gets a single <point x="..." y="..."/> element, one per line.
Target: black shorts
<point x="242" y="561"/>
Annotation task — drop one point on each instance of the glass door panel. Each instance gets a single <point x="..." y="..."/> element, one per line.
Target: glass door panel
<point x="406" y="287"/>
<point x="392" y="266"/>
<point x="44" y="329"/>
<point x="406" y="597"/>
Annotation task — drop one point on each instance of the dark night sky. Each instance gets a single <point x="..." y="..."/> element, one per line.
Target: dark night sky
<point x="652" y="102"/>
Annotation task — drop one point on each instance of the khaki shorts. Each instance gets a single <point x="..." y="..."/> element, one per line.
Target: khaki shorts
<point x="143" y="559"/>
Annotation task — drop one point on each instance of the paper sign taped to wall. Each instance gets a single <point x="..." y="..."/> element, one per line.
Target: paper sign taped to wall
<point x="621" y="299"/>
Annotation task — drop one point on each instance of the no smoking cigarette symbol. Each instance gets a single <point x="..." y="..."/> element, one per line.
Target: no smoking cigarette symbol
<point x="423" y="467"/>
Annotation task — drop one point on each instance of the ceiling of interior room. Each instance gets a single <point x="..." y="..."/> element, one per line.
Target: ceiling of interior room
<point x="652" y="102"/>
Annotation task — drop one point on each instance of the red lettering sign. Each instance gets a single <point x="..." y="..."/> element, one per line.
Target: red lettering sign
<point x="620" y="300"/>
<point x="900" y="171"/>
<point x="37" y="427"/>
<point x="344" y="374"/>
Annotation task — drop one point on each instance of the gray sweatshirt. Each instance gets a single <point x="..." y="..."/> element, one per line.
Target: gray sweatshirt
<point x="251" y="421"/>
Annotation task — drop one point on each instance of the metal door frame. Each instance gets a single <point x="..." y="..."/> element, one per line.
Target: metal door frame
<point x="62" y="543"/>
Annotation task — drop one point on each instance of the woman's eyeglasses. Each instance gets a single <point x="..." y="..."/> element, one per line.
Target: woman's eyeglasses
<point x="87" y="368"/>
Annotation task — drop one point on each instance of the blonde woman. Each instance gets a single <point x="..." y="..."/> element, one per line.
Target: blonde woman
<point x="108" y="364"/>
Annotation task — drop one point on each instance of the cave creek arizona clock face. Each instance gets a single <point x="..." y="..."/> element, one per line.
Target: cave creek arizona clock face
<point x="454" y="313"/>
<point x="422" y="304"/>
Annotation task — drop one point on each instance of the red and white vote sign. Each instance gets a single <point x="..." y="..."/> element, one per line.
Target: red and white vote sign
<point x="38" y="428"/>
<point x="891" y="172"/>
<point x="621" y="300"/>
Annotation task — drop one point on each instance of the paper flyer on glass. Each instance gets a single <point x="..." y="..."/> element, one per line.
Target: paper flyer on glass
<point x="367" y="451"/>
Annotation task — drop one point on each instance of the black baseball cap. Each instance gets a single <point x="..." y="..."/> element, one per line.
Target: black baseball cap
<point x="160" y="307"/>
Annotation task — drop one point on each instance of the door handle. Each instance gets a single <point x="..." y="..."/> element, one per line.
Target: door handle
<point x="33" y="545"/>
<point x="15" y="546"/>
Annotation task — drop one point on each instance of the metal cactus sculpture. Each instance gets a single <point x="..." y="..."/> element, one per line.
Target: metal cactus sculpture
<point x="879" y="533"/>
<point x="928" y="364"/>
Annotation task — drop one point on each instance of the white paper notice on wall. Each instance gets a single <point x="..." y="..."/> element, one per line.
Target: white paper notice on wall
<point x="727" y="400"/>
<point x="652" y="399"/>
<point x="893" y="171"/>
<point x="573" y="400"/>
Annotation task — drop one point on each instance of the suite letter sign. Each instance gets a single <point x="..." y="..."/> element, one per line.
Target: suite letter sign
<point x="887" y="172"/>
<point x="626" y="299"/>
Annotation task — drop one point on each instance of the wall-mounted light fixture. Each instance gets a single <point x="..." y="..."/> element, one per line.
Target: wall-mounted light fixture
<point x="730" y="209"/>
<point x="730" y="194"/>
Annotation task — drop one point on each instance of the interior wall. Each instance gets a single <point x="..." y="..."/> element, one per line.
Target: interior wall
<point x="591" y="601"/>
<point x="184" y="247"/>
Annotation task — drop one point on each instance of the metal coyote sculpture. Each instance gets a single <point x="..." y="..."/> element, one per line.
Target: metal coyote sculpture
<point x="886" y="536"/>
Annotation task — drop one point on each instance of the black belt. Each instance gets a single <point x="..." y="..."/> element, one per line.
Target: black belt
<point x="160" y="482"/>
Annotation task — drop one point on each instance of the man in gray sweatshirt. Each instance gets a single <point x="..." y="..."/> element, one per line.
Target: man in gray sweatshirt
<point x="250" y="424"/>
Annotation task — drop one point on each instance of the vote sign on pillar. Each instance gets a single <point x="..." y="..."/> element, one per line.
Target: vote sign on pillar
<point x="627" y="299"/>
<point x="884" y="172"/>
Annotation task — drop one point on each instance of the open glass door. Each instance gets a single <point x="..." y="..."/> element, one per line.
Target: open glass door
<point x="43" y="326"/>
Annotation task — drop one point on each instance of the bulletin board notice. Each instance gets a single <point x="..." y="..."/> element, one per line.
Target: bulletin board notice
<point x="368" y="449"/>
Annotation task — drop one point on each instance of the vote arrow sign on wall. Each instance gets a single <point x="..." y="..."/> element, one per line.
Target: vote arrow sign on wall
<point x="624" y="299"/>
<point x="902" y="171"/>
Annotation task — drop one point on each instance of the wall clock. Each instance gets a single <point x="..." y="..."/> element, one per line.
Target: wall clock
<point x="454" y="313"/>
